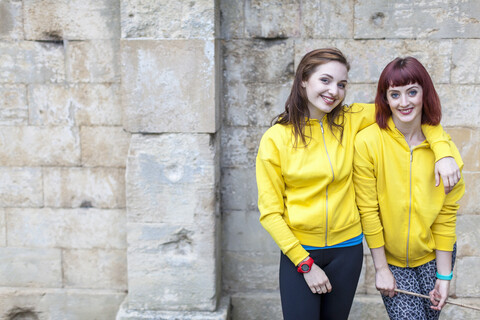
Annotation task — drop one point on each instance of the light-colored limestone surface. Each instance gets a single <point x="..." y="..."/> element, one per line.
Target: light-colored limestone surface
<point x="128" y="137"/>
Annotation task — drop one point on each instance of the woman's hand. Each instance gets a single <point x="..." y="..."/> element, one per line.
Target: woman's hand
<point x="448" y="170"/>
<point x="439" y="294"/>
<point x="317" y="280"/>
<point x="385" y="282"/>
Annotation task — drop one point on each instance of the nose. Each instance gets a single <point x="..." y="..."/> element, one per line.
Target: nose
<point x="333" y="89"/>
<point x="403" y="100"/>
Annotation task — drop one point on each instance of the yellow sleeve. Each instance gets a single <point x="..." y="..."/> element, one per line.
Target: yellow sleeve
<point x="443" y="228"/>
<point x="271" y="193"/>
<point x="365" y="184"/>
<point x="438" y="140"/>
<point x="364" y="115"/>
<point x="435" y="135"/>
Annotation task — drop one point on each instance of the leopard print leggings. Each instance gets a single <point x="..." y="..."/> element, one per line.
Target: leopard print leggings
<point x="419" y="280"/>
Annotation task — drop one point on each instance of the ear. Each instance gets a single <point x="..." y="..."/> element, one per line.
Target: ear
<point x="304" y="84"/>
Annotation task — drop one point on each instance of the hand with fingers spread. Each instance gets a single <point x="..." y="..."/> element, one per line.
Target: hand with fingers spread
<point x="447" y="170"/>
<point x="439" y="294"/>
<point x="317" y="280"/>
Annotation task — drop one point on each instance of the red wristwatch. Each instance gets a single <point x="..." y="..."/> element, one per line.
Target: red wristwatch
<point x="305" y="266"/>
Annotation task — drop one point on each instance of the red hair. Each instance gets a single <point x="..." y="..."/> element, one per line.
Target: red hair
<point x="401" y="72"/>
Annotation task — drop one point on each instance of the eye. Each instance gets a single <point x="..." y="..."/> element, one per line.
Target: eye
<point x="394" y="95"/>
<point x="341" y="85"/>
<point x="412" y="93"/>
<point x="325" y="80"/>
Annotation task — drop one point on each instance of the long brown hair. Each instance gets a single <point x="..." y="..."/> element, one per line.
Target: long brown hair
<point x="296" y="106"/>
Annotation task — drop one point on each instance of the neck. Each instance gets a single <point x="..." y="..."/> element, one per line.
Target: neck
<point x="412" y="131"/>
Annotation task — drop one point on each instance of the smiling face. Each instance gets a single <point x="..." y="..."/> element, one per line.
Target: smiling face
<point x="406" y="103"/>
<point x="326" y="88"/>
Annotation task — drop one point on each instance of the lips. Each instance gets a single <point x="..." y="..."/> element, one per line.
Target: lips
<point x="328" y="100"/>
<point x="405" y="111"/>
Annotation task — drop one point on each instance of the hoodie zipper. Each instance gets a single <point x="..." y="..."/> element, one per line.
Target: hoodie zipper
<point x="410" y="203"/>
<point x="333" y="178"/>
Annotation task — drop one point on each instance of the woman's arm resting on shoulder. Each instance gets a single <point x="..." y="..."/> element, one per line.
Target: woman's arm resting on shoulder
<point x="446" y="168"/>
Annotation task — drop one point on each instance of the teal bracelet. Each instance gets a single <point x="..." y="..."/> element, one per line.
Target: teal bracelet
<point x="442" y="277"/>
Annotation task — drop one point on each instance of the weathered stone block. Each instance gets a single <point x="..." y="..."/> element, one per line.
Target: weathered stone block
<point x="66" y="228"/>
<point x="71" y="20"/>
<point x="456" y="312"/>
<point x="240" y="270"/>
<point x="168" y="19"/>
<point x="233" y="19"/>
<point x="171" y="178"/>
<point x="466" y="71"/>
<point x="360" y="93"/>
<point x="25" y="267"/>
<point x="221" y="313"/>
<point x="91" y="187"/>
<point x="370" y="287"/>
<point x="44" y="304"/>
<point x="327" y="19"/>
<point x="172" y="266"/>
<point x="468" y="237"/>
<point x="368" y="307"/>
<point x="259" y="61"/>
<point x="95" y="269"/>
<point x="469" y="204"/>
<point x="239" y="190"/>
<point x="31" y="62"/>
<point x="242" y="232"/>
<point x="240" y="146"/>
<point x="13" y="105"/>
<point x="93" y="61"/>
<point x="75" y="105"/>
<point x="159" y="89"/>
<point x="467" y="285"/>
<point x="266" y="19"/>
<point x="104" y="146"/>
<point x="369" y="57"/>
<point x="433" y="19"/>
<point x="456" y="113"/>
<point x="256" y="305"/>
<point x="254" y="104"/>
<point x="39" y="146"/>
<point x="11" y="24"/>
<point x="21" y="187"/>
<point x="467" y="141"/>
<point x="3" y="228"/>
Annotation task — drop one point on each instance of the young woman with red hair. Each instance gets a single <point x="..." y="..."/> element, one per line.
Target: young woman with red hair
<point x="409" y="224"/>
<point x="305" y="190"/>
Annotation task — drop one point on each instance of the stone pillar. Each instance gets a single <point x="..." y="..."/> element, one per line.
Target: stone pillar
<point x="171" y="80"/>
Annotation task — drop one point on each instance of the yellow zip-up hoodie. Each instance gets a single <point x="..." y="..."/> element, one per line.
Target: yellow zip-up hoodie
<point x="399" y="205"/>
<point x="305" y="194"/>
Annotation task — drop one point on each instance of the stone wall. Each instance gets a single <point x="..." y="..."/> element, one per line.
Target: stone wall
<point x="63" y="152"/>
<point x="263" y="43"/>
<point x="119" y="172"/>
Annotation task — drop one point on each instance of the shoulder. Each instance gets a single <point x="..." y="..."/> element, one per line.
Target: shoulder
<point x="360" y="108"/>
<point x="275" y="137"/>
<point x="369" y="134"/>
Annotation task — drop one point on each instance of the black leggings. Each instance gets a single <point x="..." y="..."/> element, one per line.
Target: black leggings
<point x="342" y="267"/>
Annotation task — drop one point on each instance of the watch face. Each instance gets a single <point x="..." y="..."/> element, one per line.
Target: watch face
<point x="305" y="267"/>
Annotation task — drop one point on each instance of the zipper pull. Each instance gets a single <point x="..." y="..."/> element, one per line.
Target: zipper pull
<point x="411" y="155"/>
<point x="321" y="126"/>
